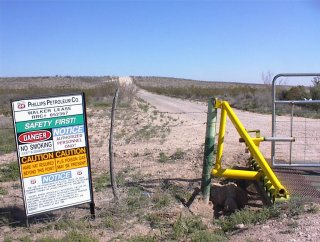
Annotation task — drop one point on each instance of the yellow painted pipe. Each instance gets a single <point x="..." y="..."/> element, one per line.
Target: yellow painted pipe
<point x="222" y="130"/>
<point x="254" y="149"/>
<point x="236" y="174"/>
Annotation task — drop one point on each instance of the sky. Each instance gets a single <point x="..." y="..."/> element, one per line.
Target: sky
<point x="204" y="40"/>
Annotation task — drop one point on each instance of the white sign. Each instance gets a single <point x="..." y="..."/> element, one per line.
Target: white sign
<point x="52" y="146"/>
<point x="56" y="190"/>
<point x="44" y="113"/>
<point x="68" y="137"/>
<point x="35" y="148"/>
<point x="39" y="104"/>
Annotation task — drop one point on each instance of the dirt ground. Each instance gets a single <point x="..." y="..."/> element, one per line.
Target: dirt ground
<point x="306" y="228"/>
<point x="148" y="134"/>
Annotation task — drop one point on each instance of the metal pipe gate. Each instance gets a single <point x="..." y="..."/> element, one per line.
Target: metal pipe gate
<point x="300" y="146"/>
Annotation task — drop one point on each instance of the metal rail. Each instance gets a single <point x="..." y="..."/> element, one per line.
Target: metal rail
<point x="292" y="102"/>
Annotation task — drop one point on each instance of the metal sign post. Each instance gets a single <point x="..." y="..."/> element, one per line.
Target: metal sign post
<point x="53" y="152"/>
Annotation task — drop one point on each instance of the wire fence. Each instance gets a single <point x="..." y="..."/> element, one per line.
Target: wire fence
<point x="301" y="125"/>
<point x="7" y="141"/>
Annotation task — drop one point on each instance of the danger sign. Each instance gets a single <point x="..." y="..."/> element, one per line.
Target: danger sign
<point x="53" y="152"/>
<point x="34" y="136"/>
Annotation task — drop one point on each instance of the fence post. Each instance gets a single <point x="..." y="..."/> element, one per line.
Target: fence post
<point x="111" y="154"/>
<point x="209" y="150"/>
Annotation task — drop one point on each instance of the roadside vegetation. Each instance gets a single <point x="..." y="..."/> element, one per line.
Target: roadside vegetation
<point x="151" y="207"/>
<point x="249" y="97"/>
<point x="99" y="91"/>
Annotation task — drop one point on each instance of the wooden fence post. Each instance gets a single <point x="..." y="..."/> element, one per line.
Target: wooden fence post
<point x="111" y="154"/>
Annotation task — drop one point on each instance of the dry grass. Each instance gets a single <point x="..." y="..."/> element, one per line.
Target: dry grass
<point x="251" y="97"/>
<point x="99" y="90"/>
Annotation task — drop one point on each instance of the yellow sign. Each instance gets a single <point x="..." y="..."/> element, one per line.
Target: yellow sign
<point x="71" y="162"/>
<point x="36" y="165"/>
<point x="38" y="168"/>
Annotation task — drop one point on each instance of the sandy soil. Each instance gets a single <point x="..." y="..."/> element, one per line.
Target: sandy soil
<point x="177" y="125"/>
<point x="306" y="228"/>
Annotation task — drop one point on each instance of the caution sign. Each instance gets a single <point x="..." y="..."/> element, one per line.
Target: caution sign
<point x="53" y="152"/>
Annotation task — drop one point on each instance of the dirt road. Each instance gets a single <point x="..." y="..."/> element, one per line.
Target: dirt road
<point x="192" y="131"/>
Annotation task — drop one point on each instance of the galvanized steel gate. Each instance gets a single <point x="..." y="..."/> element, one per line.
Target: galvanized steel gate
<point x="298" y="138"/>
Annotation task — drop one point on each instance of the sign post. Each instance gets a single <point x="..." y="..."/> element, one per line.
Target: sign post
<point x="53" y="152"/>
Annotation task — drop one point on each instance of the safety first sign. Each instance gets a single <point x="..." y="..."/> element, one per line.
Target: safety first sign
<point x="52" y="148"/>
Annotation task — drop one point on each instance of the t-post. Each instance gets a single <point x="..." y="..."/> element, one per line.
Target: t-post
<point x="209" y="150"/>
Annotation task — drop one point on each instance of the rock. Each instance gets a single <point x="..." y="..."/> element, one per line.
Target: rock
<point x="228" y="197"/>
<point x="230" y="204"/>
<point x="283" y="216"/>
<point x="6" y="229"/>
<point x="239" y="226"/>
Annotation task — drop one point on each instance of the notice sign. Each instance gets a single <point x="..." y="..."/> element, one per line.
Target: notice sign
<point x="52" y="147"/>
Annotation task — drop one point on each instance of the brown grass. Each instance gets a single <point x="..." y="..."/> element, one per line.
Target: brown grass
<point x="252" y="97"/>
<point x="99" y="90"/>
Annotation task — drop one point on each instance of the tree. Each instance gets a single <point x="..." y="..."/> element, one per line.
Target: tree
<point x="315" y="89"/>
<point x="267" y="77"/>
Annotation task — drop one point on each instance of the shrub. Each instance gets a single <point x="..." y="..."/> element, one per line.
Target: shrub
<point x="295" y="93"/>
<point x="187" y="225"/>
<point x="248" y="217"/>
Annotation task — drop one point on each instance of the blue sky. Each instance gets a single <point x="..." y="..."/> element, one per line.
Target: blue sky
<point x="205" y="40"/>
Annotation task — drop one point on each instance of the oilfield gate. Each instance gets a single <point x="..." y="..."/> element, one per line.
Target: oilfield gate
<point x="300" y="145"/>
<point x="294" y="168"/>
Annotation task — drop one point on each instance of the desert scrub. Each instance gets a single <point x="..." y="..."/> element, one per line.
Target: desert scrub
<point x="3" y="191"/>
<point x="101" y="181"/>
<point x="71" y="236"/>
<point x="98" y="90"/>
<point x="247" y="217"/>
<point x="7" y="141"/>
<point x="136" y="199"/>
<point x="177" y="155"/>
<point x="180" y="193"/>
<point x="143" y="238"/>
<point x="252" y="97"/>
<point x="157" y="220"/>
<point x="184" y="228"/>
<point x="163" y="157"/>
<point x="9" y="172"/>
<point x="297" y="206"/>
<point x="189" y="226"/>
<point x="149" y="131"/>
<point x="160" y="199"/>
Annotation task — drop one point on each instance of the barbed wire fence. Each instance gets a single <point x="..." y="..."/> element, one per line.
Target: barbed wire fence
<point x="306" y="132"/>
<point x="98" y="150"/>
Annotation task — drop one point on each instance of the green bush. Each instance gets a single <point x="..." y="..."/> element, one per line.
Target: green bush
<point x="163" y="157"/>
<point x="3" y="191"/>
<point x="295" y="93"/>
<point x="248" y="217"/>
